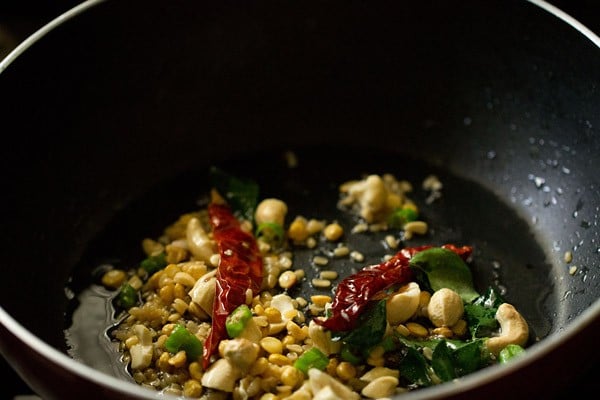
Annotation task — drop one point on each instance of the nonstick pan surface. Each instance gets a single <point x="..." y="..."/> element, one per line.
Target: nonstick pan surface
<point x="109" y="117"/>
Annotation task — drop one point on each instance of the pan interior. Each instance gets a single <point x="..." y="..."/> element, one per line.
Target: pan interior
<point x="506" y="253"/>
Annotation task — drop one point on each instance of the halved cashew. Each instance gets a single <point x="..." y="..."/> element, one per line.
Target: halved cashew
<point x="378" y="372"/>
<point x="325" y="386"/>
<point x="304" y="393"/>
<point x="251" y="331"/>
<point x="203" y="292"/>
<point x="284" y="304"/>
<point x="513" y="329"/>
<point x="221" y="376"/>
<point x="270" y="210"/>
<point x="198" y="242"/>
<point x="141" y="352"/>
<point x="384" y="386"/>
<point x="445" y="307"/>
<point x="403" y="303"/>
<point x="321" y="339"/>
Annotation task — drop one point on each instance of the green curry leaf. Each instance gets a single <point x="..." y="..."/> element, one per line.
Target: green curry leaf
<point x="481" y="314"/>
<point x="443" y="363"/>
<point x="445" y="269"/>
<point x="370" y="328"/>
<point x="241" y="194"/>
<point x="413" y="367"/>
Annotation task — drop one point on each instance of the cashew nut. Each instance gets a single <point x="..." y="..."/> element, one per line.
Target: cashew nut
<point x="198" y="241"/>
<point x="251" y="331"/>
<point x="284" y="304"/>
<point x="381" y="387"/>
<point x="378" y="372"/>
<point x="240" y="352"/>
<point x="445" y="307"/>
<point x="403" y="303"/>
<point x="321" y="339"/>
<point x="325" y="386"/>
<point x="203" y="292"/>
<point x="270" y="210"/>
<point x="221" y="376"/>
<point x="141" y="352"/>
<point x="513" y="329"/>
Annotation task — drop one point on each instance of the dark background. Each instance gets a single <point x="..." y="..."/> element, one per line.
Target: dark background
<point x="20" y="18"/>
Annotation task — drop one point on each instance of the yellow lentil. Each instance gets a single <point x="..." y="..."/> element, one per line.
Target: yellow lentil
<point x="192" y="388"/>
<point x="329" y="275"/>
<point x="357" y="256"/>
<point x="320" y="260"/>
<point x="345" y="370"/>
<point x="271" y="345"/>
<point x="443" y="331"/>
<point x="114" y="278"/>
<point x="273" y="314"/>
<point x="459" y="328"/>
<point x="402" y="330"/>
<point x="184" y="279"/>
<point x="333" y="232"/>
<point x="178" y="360"/>
<point x="320" y="299"/>
<point x="296" y="331"/>
<point x="279" y="359"/>
<point x="291" y="376"/>
<point x="417" y="329"/>
<point x="259" y="366"/>
<point x="167" y="293"/>
<point x="314" y="226"/>
<point x="287" y="279"/>
<point x="300" y="274"/>
<point x="195" y="370"/>
<point x="341" y="251"/>
<point x="297" y="230"/>
<point x="321" y="283"/>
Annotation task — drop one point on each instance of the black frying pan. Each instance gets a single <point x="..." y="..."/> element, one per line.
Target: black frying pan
<point x="117" y="112"/>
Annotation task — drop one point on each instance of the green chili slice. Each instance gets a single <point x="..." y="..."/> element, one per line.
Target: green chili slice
<point x="313" y="358"/>
<point x="182" y="339"/>
<point x="155" y="263"/>
<point x="237" y="320"/>
<point x="401" y="216"/>
<point x="127" y="296"/>
<point x="509" y="352"/>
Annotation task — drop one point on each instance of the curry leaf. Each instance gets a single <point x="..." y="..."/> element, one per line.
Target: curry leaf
<point x="414" y="368"/>
<point x="241" y="194"/>
<point x="370" y="328"/>
<point x="451" y="360"/>
<point x="445" y="269"/>
<point x="470" y="357"/>
<point x="481" y="314"/>
<point x="491" y="298"/>
<point x="443" y="363"/>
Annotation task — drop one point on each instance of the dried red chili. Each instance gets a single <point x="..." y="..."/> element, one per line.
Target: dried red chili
<point x="240" y="269"/>
<point x="463" y="252"/>
<point x="354" y="293"/>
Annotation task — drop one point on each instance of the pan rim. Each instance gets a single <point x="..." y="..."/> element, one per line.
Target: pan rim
<point x="535" y="353"/>
<point x="87" y="4"/>
<point x="557" y="12"/>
